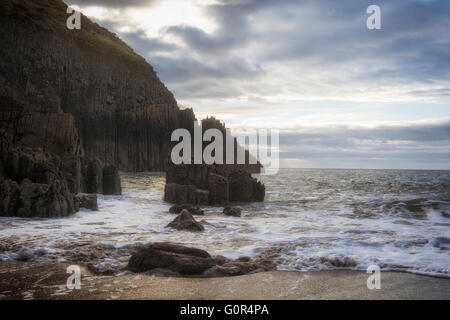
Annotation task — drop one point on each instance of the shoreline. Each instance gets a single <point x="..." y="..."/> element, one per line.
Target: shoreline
<point x="47" y="281"/>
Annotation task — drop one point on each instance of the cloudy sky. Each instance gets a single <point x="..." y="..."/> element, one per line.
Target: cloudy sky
<point x="343" y="96"/>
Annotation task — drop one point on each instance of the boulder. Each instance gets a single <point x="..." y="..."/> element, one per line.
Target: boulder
<point x="87" y="201"/>
<point x="232" y="211"/>
<point x="185" y="221"/>
<point x="177" y="258"/>
<point x="192" y="210"/>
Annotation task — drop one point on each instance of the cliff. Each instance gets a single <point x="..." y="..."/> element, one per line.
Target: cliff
<point x="76" y="106"/>
<point x="123" y="113"/>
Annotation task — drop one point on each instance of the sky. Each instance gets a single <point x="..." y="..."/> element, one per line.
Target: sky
<point x="342" y="96"/>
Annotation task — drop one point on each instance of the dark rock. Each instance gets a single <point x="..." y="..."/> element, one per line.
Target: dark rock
<point x="58" y="200"/>
<point x="201" y="184"/>
<point x="88" y="201"/>
<point x="114" y="114"/>
<point x="25" y="254"/>
<point x="180" y="194"/>
<point x="218" y="189"/>
<point x="232" y="211"/>
<point x="192" y="210"/>
<point x="180" y="259"/>
<point x="111" y="181"/>
<point x="30" y="163"/>
<point x="220" y="260"/>
<point x="166" y="246"/>
<point x="339" y="262"/>
<point x="94" y="176"/>
<point x="185" y="221"/>
<point x="9" y="198"/>
<point x="35" y="200"/>
<point x="4" y="247"/>
<point x="243" y="188"/>
<point x="241" y="267"/>
<point x="244" y="259"/>
<point x="2" y="171"/>
<point x="123" y="113"/>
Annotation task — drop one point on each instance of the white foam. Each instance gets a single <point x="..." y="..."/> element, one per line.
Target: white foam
<point x="309" y="227"/>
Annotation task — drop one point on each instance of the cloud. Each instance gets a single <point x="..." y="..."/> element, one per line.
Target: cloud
<point x="202" y="42"/>
<point x="111" y="3"/>
<point x="412" y="132"/>
<point x="286" y="63"/>
<point x="421" y="145"/>
<point x="144" y="45"/>
<point x="308" y="49"/>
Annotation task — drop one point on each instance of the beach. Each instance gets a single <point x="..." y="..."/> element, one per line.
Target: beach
<point x="38" y="281"/>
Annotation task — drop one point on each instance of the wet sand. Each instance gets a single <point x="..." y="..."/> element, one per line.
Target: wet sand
<point x="48" y="281"/>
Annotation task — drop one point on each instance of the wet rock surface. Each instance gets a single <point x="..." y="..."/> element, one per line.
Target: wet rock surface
<point x="166" y="258"/>
<point x="35" y="200"/>
<point x="232" y="211"/>
<point x="87" y="201"/>
<point x="181" y="259"/>
<point x="185" y="221"/>
<point x="192" y="209"/>
<point x="241" y="266"/>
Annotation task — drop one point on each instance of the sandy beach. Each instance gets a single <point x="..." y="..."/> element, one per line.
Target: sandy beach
<point x="48" y="281"/>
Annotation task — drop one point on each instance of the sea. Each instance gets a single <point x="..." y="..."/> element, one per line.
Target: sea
<point x="311" y="220"/>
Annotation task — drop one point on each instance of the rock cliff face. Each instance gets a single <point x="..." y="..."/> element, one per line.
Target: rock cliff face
<point x="76" y="106"/>
<point x="123" y="113"/>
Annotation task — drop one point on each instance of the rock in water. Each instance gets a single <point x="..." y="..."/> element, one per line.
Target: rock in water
<point x="202" y="184"/>
<point x="35" y="200"/>
<point x="185" y="221"/>
<point x="87" y="201"/>
<point x="181" y="259"/>
<point x="192" y="210"/>
<point x="111" y="181"/>
<point x="232" y="211"/>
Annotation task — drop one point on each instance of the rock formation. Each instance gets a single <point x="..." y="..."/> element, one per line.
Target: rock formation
<point x="232" y="211"/>
<point x="192" y="209"/>
<point x="77" y="106"/>
<point x="184" y="260"/>
<point x="35" y="200"/>
<point x="87" y="201"/>
<point x="42" y="162"/>
<point x="123" y="113"/>
<point x="185" y="221"/>
<point x="211" y="184"/>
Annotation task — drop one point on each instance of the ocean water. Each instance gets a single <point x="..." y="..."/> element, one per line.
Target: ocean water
<point x="312" y="219"/>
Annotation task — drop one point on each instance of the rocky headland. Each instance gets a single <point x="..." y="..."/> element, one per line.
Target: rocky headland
<point x="77" y="107"/>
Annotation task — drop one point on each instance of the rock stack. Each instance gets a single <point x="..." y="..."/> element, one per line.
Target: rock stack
<point x="43" y="164"/>
<point x="211" y="184"/>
